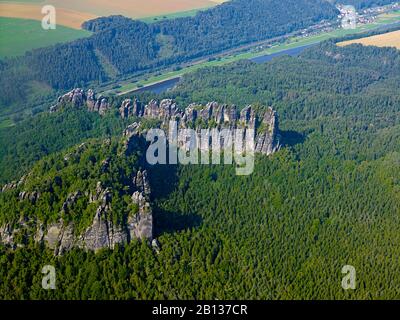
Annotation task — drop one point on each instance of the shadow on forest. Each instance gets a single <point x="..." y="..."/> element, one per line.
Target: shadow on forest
<point x="169" y="222"/>
<point x="290" y="138"/>
<point x="163" y="181"/>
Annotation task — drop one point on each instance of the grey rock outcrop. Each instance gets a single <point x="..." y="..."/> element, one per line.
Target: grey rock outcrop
<point x="59" y="237"/>
<point x="30" y="196"/>
<point x="71" y="201"/>
<point x="155" y="244"/>
<point x="131" y="107"/>
<point x="140" y="224"/>
<point x="132" y="137"/>
<point x="7" y="235"/>
<point x="78" y="98"/>
<point x="9" y="186"/>
<point x="267" y="136"/>
<point x="264" y="123"/>
<point x="102" y="233"/>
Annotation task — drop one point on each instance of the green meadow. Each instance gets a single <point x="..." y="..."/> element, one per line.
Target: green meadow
<point x="18" y="36"/>
<point x="181" y="14"/>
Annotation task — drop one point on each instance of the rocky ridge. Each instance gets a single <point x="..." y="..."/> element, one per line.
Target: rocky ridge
<point x="79" y="98"/>
<point x="264" y="122"/>
<point x="102" y="233"/>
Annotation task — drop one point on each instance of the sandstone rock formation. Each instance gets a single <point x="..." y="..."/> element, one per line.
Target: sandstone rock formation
<point x="102" y="233"/>
<point x="263" y="122"/>
<point x="78" y="98"/>
<point x="131" y="107"/>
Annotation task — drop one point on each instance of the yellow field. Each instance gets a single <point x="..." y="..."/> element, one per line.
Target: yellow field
<point x="391" y="39"/>
<point x="65" y="17"/>
<point x="72" y="13"/>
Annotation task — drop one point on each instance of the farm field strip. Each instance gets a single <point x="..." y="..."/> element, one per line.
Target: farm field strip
<point x="73" y="13"/>
<point x="65" y="17"/>
<point x="391" y="39"/>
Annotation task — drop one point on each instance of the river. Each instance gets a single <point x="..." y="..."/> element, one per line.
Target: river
<point x="163" y="86"/>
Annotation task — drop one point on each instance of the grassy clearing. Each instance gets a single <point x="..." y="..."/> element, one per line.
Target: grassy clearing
<point x="6" y="123"/>
<point x="18" y="36"/>
<point x="189" y="13"/>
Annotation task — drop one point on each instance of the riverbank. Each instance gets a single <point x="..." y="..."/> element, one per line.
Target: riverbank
<point x="294" y="43"/>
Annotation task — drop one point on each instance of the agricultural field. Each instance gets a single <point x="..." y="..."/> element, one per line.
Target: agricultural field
<point x="391" y="39"/>
<point x="20" y="20"/>
<point x="73" y="13"/>
<point x="19" y="35"/>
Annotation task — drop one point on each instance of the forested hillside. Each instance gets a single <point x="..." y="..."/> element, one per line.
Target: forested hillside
<point x="127" y="46"/>
<point x="363" y="4"/>
<point x="329" y="198"/>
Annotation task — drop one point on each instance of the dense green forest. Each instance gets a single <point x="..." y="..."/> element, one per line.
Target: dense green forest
<point x="127" y="46"/>
<point x="44" y="134"/>
<point x="329" y="198"/>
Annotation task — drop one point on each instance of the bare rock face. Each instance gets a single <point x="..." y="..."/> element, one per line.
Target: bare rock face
<point x="263" y="122"/>
<point x="190" y="115"/>
<point x="91" y="99"/>
<point x="165" y="111"/>
<point x="9" y="186"/>
<point x="155" y="244"/>
<point x="248" y="117"/>
<point x="168" y="110"/>
<point x="267" y="136"/>
<point x="213" y="114"/>
<point x="102" y="233"/>
<point x="7" y="236"/>
<point x="131" y="107"/>
<point x="100" y="195"/>
<point x="78" y="98"/>
<point x="30" y="196"/>
<point x="59" y="237"/>
<point x="132" y="137"/>
<point x="126" y="108"/>
<point x="71" y="201"/>
<point x="141" y="183"/>
<point x="140" y="225"/>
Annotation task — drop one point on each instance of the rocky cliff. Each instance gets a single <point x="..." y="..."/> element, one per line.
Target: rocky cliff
<point x="109" y="225"/>
<point x="78" y="98"/>
<point x="263" y="121"/>
<point x="102" y="233"/>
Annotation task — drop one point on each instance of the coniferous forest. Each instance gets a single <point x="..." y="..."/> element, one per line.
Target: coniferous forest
<point x="330" y="197"/>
